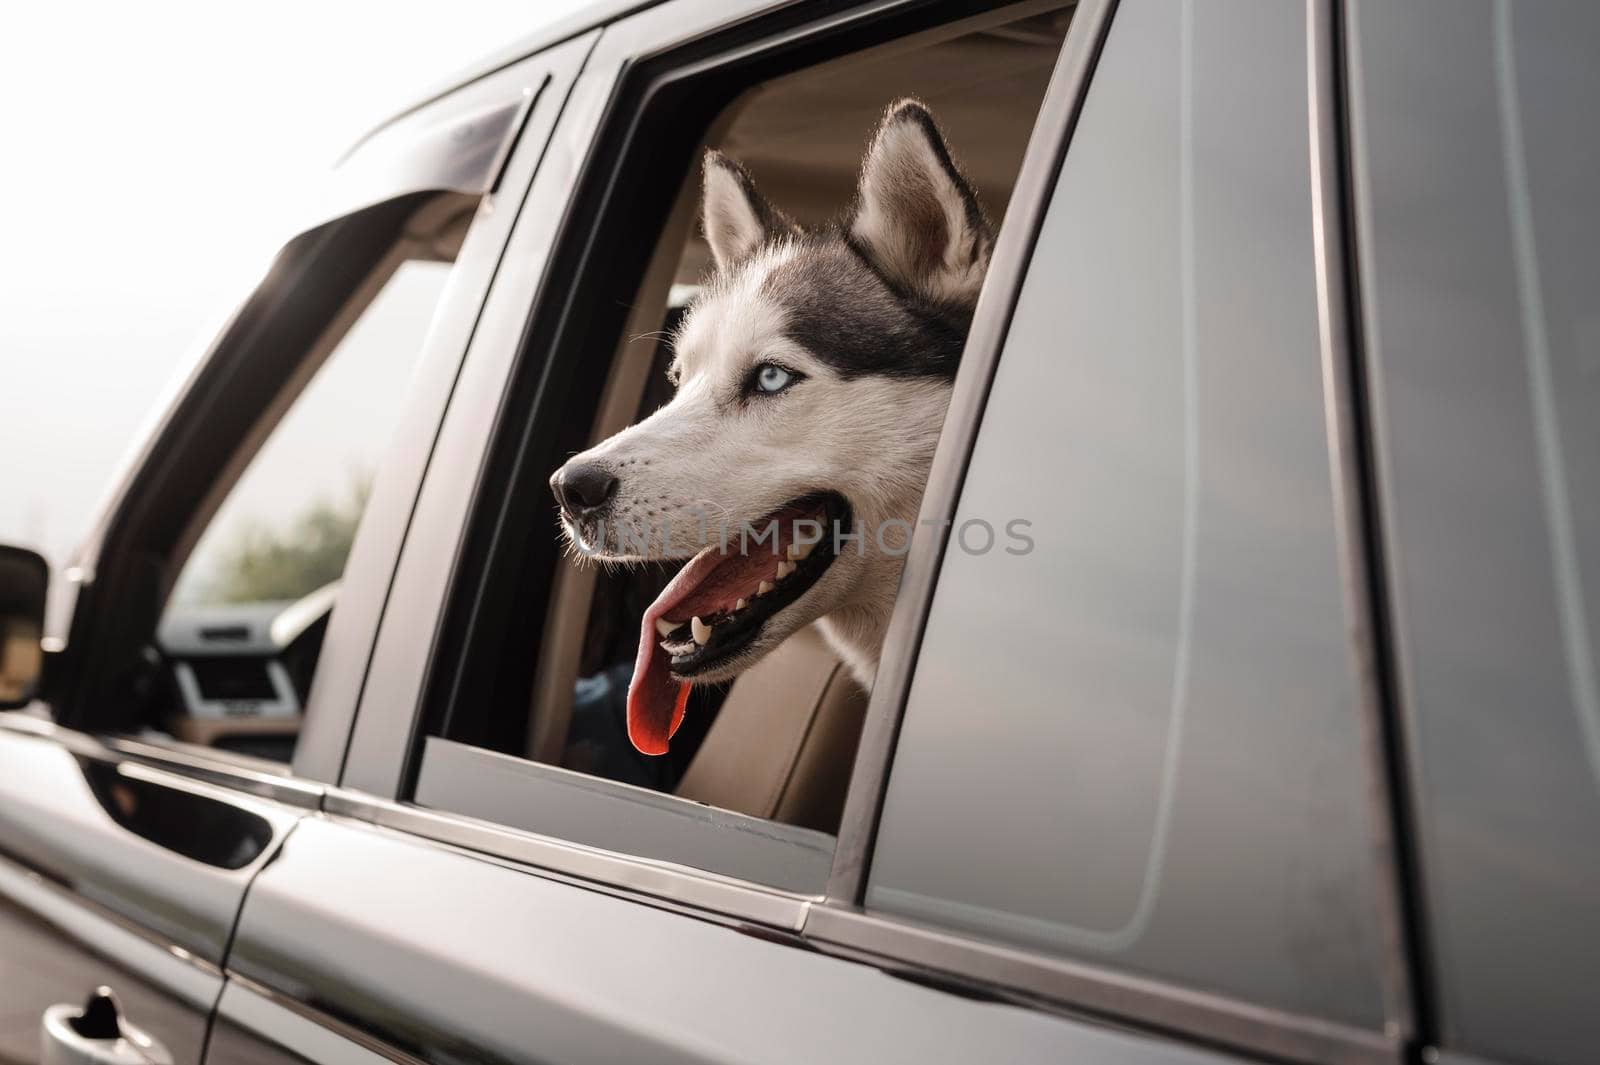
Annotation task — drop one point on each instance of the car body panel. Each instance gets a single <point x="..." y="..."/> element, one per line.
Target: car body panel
<point x="539" y="969"/>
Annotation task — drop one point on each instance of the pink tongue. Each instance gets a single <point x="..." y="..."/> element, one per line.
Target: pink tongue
<point x="711" y="582"/>
<point x="655" y="701"/>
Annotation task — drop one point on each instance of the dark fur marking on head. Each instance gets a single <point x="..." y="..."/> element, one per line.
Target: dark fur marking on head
<point x="854" y="306"/>
<point x="841" y="309"/>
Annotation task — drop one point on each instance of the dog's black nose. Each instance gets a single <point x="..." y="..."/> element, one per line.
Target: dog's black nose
<point x="582" y="488"/>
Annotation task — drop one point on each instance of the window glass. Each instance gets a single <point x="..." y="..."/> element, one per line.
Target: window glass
<point x="244" y="625"/>
<point x="1477" y="166"/>
<point x="286" y="526"/>
<point x="1133" y="735"/>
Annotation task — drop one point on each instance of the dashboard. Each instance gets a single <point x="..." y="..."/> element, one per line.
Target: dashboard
<point x="239" y="673"/>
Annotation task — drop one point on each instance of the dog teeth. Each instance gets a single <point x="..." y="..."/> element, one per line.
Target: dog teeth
<point x="700" y="630"/>
<point x="799" y="550"/>
<point x="741" y="604"/>
<point x="764" y="587"/>
<point x="665" y="627"/>
<point x="786" y="568"/>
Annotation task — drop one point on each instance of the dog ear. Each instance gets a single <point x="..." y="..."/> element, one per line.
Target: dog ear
<point x="737" y="218"/>
<point x="915" y="216"/>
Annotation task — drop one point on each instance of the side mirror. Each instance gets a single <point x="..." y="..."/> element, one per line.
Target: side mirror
<point x="24" y="579"/>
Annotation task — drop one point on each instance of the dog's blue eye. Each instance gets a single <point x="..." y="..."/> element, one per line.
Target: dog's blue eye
<point x="770" y="378"/>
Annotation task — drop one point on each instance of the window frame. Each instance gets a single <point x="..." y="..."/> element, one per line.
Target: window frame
<point x="464" y="145"/>
<point x="382" y="762"/>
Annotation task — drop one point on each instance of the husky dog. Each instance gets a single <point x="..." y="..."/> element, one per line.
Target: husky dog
<point x="812" y="373"/>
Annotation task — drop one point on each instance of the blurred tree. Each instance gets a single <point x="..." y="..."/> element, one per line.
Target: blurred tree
<point x="295" y="560"/>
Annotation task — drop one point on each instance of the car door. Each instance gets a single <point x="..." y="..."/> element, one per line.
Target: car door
<point x="150" y="782"/>
<point x="394" y="928"/>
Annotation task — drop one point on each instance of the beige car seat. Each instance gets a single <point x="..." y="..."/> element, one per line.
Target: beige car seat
<point x="784" y="741"/>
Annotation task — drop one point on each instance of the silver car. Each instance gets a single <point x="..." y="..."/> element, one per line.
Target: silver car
<point x="1280" y="741"/>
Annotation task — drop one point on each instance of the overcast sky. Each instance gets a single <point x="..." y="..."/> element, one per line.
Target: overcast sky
<point x="153" y="154"/>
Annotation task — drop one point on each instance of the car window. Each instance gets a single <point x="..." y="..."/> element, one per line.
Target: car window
<point x="529" y="720"/>
<point x="243" y="627"/>
<point x="286" y="527"/>
<point x="1477" y="166"/>
<point x="1133" y="736"/>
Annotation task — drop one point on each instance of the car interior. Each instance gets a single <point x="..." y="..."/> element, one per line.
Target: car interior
<point x="778" y="743"/>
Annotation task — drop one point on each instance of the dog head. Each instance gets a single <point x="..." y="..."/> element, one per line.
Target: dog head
<point x="812" y="372"/>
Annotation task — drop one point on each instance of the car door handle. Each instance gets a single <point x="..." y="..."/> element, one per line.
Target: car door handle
<point x="95" y="1034"/>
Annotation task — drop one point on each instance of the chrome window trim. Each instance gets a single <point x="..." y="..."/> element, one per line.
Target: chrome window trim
<point x="679" y="887"/>
<point x="659" y="881"/>
<point x="1098" y="990"/>
<point x="262" y="783"/>
<point x="550" y="801"/>
<point x="1361" y="561"/>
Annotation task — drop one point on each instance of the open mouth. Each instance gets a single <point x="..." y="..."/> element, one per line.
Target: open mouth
<point x="717" y="605"/>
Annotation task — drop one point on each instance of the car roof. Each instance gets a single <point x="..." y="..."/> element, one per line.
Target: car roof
<point x="596" y="13"/>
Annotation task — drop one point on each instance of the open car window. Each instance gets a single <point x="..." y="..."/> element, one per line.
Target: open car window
<point x="529" y="726"/>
